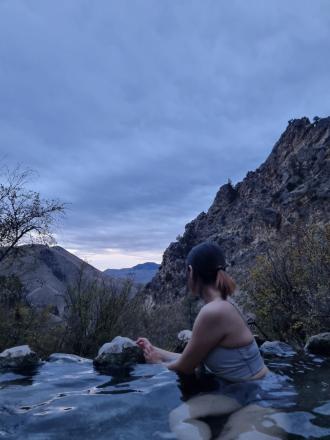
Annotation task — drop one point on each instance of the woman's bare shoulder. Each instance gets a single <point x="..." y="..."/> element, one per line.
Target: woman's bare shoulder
<point x="216" y="308"/>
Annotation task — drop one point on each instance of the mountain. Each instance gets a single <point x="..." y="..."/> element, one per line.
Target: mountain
<point x="292" y="185"/>
<point x="46" y="272"/>
<point x="141" y="273"/>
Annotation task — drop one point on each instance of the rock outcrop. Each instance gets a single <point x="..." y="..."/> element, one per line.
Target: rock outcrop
<point x="18" y="358"/>
<point x="292" y="184"/>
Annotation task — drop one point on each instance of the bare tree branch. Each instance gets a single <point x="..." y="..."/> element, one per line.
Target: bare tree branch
<point x="24" y="216"/>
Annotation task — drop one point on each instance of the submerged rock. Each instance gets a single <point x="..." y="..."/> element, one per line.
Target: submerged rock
<point x="277" y="348"/>
<point x="18" y="358"/>
<point x="319" y="344"/>
<point x="64" y="357"/>
<point x="120" y="353"/>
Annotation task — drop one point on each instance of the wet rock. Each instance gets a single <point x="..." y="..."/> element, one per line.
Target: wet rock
<point x="184" y="336"/>
<point x="277" y="348"/>
<point x="120" y="353"/>
<point x="18" y="358"/>
<point x="319" y="344"/>
<point x="64" y="357"/>
<point x="183" y="339"/>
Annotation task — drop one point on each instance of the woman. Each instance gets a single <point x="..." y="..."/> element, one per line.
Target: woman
<point x="222" y="342"/>
<point x="221" y="339"/>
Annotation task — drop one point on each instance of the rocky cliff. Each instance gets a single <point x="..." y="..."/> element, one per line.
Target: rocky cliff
<point x="292" y="185"/>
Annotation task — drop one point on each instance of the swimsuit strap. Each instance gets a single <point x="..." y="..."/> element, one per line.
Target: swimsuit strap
<point x="239" y="311"/>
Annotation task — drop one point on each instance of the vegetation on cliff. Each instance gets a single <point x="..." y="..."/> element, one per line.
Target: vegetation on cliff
<point x="288" y="289"/>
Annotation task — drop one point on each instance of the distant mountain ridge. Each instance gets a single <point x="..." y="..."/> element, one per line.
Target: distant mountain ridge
<point x="141" y="273"/>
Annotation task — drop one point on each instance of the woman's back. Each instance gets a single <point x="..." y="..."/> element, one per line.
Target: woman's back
<point x="231" y="328"/>
<point x="236" y="357"/>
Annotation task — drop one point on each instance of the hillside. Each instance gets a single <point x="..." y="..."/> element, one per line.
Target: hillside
<point x="46" y="272"/>
<point x="292" y="185"/>
<point x="141" y="273"/>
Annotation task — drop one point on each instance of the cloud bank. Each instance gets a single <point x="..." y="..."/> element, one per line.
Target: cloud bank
<point x="136" y="111"/>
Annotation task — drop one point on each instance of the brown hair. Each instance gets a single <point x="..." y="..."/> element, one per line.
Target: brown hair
<point x="206" y="260"/>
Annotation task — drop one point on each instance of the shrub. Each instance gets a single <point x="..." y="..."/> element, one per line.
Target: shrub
<point x="289" y="287"/>
<point x="96" y="312"/>
<point x="22" y="324"/>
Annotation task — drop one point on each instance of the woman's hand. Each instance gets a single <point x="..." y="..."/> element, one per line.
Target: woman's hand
<point x="150" y="352"/>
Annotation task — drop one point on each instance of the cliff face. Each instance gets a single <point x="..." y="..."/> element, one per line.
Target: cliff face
<point x="292" y="184"/>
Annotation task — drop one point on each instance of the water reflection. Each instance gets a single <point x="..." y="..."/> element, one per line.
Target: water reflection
<point x="72" y="400"/>
<point x="25" y="377"/>
<point x="279" y="406"/>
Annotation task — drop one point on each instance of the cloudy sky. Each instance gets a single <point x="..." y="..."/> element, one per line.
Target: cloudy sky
<point x="134" y="112"/>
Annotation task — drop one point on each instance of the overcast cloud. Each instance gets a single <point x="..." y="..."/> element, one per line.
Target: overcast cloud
<point x="136" y="111"/>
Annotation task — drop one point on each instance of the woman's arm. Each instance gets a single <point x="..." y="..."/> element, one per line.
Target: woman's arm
<point x="168" y="356"/>
<point x="206" y="334"/>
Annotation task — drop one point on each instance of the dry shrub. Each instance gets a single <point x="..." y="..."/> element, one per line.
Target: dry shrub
<point x="22" y="324"/>
<point x="96" y="311"/>
<point x="289" y="287"/>
<point x="165" y="321"/>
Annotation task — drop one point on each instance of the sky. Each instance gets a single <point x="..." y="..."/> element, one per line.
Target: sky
<point x="135" y="112"/>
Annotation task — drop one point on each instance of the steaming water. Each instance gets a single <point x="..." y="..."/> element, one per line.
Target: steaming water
<point x="64" y="399"/>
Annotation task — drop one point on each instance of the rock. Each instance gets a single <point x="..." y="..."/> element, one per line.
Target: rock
<point x="319" y="344"/>
<point x="270" y="217"/>
<point x="277" y="348"/>
<point x="18" y="358"/>
<point x="184" y="336"/>
<point x="120" y="353"/>
<point x="64" y="357"/>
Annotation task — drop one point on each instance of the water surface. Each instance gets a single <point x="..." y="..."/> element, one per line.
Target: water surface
<point x="71" y="400"/>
